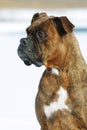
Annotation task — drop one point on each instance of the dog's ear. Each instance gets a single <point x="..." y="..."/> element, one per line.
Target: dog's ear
<point x="63" y="25"/>
<point x="37" y="16"/>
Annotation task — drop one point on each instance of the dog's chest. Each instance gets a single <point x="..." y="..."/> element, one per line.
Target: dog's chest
<point x="60" y="103"/>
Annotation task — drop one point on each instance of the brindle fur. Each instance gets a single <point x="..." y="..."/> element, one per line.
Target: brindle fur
<point x="58" y="50"/>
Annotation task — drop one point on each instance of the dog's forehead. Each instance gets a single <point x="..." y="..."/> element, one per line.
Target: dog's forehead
<point x="39" y="23"/>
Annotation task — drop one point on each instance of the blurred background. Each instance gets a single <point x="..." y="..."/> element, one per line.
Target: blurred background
<point x="19" y="83"/>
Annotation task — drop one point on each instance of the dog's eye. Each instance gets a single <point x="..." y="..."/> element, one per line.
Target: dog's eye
<point x="40" y="35"/>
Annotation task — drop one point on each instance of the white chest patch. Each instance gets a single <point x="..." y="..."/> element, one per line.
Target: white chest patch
<point x="57" y="105"/>
<point x="55" y="71"/>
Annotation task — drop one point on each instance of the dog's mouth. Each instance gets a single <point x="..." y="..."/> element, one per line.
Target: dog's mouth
<point x="36" y="63"/>
<point x="29" y="61"/>
<point x="26" y="62"/>
<point x="29" y="53"/>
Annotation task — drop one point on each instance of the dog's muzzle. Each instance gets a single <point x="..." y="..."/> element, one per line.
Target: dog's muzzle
<point x="28" y="52"/>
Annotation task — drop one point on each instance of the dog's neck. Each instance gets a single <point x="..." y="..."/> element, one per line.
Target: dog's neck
<point x="75" y="59"/>
<point x="75" y="64"/>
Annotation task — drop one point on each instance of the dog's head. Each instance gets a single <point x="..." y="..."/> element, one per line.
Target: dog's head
<point x="43" y="44"/>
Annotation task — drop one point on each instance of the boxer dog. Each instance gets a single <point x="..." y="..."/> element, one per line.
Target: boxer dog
<point x="61" y="102"/>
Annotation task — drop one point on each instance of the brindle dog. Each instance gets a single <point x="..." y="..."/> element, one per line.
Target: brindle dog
<point x="61" y="102"/>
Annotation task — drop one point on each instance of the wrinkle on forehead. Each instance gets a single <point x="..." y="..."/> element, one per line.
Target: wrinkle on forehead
<point x="38" y="23"/>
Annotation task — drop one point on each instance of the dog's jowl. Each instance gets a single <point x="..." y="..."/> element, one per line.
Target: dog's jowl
<point x="61" y="101"/>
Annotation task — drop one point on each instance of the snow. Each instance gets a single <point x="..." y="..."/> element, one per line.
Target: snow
<point x="19" y="83"/>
